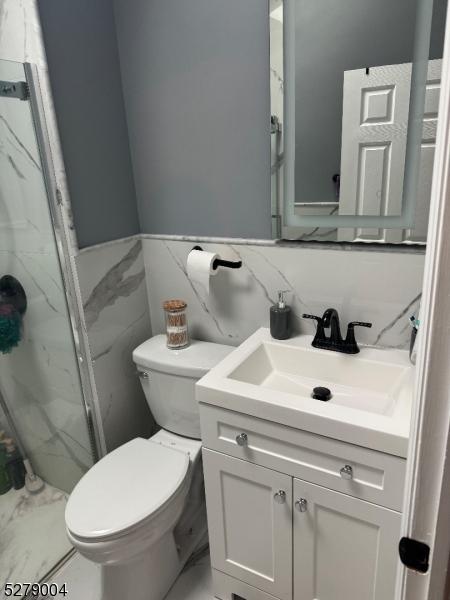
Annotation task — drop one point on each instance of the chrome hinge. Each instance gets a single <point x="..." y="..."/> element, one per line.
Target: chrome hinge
<point x="14" y="89"/>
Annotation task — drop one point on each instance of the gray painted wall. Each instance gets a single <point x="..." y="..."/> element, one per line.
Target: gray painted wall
<point x="333" y="37"/>
<point x="197" y="99"/>
<point x="84" y="71"/>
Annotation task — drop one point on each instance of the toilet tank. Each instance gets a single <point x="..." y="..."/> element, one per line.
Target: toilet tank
<point x="168" y="378"/>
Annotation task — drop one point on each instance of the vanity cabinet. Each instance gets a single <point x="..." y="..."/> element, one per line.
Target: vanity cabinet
<point x="344" y="548"/>
<point x="250" y="522"/>
<point x="289" y="516"/>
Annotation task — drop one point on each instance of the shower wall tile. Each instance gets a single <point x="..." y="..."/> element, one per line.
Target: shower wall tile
<point x="25" y="223"/>
<point x="21" y="41"/>
<point x="20" y="34"/>
<point x="381" y="287"/>
<point x="112" y="283"/>
<point x="39" y="378"/>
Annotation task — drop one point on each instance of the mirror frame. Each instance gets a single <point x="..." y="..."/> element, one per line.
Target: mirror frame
<point x="286" y="223"/>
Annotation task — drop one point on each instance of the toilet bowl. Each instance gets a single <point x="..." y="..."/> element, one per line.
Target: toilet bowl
<point x="140" y="512"/>
<point x="123" y="515"/>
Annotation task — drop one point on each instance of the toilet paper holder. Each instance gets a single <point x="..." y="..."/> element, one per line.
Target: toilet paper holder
<point x="219" y="262"/>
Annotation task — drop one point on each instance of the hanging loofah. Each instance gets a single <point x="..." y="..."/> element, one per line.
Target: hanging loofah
<point x="10" y="328"/>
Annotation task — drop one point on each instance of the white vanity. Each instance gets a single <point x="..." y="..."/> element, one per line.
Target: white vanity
<point x="304" y="497"/>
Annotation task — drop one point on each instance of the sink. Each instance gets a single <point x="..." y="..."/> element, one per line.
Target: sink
<point x="353" y="380"/>
<point x="371" y="392"/>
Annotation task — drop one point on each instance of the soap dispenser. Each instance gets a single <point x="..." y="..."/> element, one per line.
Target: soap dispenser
<point x="280" y="318"/>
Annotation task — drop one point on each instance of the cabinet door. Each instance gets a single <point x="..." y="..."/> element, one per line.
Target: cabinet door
<point x="344" y="548"/>
<point x="250" y="522"/>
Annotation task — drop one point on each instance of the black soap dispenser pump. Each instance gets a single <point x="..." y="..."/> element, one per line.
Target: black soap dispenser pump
<point x="280" y="318"/>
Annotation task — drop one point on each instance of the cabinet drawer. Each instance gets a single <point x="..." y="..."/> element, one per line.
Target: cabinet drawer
<point x="375" y="476"/>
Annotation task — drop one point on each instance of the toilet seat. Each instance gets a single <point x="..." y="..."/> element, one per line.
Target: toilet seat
<point x="130" y="485"/>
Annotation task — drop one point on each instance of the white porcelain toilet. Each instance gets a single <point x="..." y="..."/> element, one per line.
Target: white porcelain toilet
<point x="140" y="511"/>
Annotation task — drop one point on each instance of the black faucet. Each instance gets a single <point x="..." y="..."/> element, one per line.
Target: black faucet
<point x="330" y="319"/>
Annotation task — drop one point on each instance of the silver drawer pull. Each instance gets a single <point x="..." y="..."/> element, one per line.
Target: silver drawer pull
<point x="346" y="472"/>
<point x="301" y="505"/>
<point x="242" y="439"/>
<point x="280" y="497"/>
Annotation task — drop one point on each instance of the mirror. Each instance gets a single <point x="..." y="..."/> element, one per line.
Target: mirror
<point x="354" y="100"/>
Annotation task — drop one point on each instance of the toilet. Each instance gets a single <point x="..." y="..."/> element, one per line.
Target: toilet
<point x="140" y="511"/>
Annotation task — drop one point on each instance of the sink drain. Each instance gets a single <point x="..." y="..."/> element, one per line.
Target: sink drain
<point x="321" y="393"/>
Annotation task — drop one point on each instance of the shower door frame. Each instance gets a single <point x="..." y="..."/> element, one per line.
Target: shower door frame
<point x="67" y="265"/>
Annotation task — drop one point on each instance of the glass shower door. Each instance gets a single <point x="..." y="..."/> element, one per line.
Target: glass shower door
<point x="42" y="411"/>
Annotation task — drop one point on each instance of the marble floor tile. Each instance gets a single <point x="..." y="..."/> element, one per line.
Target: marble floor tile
<point x="82" y="579"/>
<point x="194" y="583"/>
<point x="32" y="534"/>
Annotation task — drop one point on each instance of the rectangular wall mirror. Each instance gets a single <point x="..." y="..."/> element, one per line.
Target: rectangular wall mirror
<point x="354" y="107"/>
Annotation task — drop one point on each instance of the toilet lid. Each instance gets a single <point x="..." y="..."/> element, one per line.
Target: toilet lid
<point x="124" y="488"/>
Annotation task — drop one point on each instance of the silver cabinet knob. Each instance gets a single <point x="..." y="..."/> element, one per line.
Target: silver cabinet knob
<point x="280" y="497"/>
<point x="346" y="472"/>
<point x="301" y="505"/>
<point x="242" y="439"/>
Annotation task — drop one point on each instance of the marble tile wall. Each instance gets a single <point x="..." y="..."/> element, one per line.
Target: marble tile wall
<point x="381" y="287"/>
<point x="21" y="41"/>
<point x="116" y="310"/>
<point x="40" y="378"/>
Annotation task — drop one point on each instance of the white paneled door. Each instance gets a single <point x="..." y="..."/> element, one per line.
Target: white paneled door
<point x="374" y="139"/>
<point x="250" y="526"/>
<point x="374" y="127"/>
<point x="344" y="548"/>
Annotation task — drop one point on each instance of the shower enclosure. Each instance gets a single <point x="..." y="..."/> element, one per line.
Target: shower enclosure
<point x="40" y="378"/>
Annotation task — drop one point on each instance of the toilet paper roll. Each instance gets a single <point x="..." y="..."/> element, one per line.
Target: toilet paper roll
<point x="200" y="268"/>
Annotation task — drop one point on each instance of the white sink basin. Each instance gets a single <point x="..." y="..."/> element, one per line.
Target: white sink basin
<point x="371" y="392"/>
<point x="354" y="381"/>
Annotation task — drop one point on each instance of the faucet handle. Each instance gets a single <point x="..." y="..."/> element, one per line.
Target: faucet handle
<point x="350" y="341"/>
<point x="320" y="331"/>
<point x="359" y="324"/>
<point x="314" y="317"/>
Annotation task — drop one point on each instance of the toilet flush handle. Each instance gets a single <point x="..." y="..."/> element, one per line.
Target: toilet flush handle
<point x="143" y="374"/>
